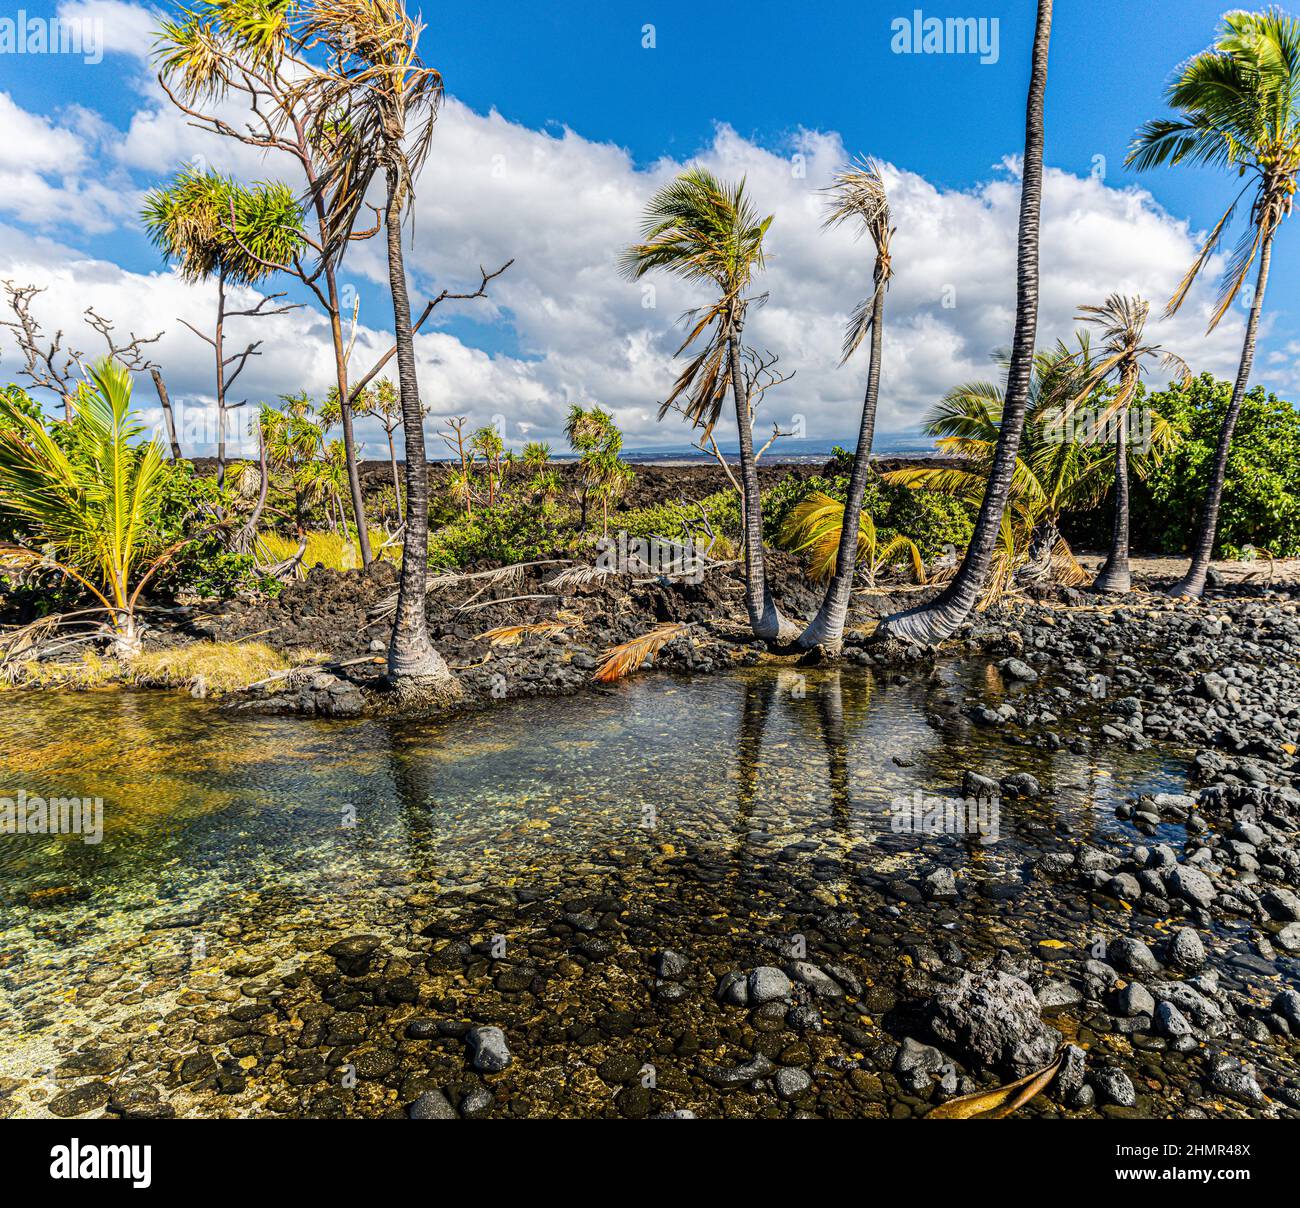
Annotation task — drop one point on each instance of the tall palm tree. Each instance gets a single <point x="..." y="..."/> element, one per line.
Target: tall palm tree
<point x="377" y="87"/>
<point x="857" y="196"/>
<point x="1239" y="107"/>
<point x="1122" y="321"/>
<point x="932" y="623"/>
<point x="705" y="231"/>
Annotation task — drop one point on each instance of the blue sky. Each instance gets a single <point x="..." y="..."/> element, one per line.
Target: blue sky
<point x="562" y="123"/>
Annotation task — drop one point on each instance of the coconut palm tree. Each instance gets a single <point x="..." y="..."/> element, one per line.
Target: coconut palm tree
<point x="1239" y="107"/>
<point x="708" y="232"/>
<point x="932" y="623"/>
<point x="377" y="87"/>
<point x="1055" y="472"/>
<point x="1122" y="321"/>
<point x="815" y="526"/>
<point x="858" y="197"/>
<point x="87" y="503"/>
<point x="191" y="220"/>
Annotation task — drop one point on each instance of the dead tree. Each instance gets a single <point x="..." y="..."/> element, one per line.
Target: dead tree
<point x="761" y="375"/>
<point x="225" y="376"/>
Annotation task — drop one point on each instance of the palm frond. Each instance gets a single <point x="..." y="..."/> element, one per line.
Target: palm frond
<point x="631" y="656"/>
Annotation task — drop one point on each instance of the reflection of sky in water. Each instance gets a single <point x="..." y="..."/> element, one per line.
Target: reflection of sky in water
<point x="207" y="808"/>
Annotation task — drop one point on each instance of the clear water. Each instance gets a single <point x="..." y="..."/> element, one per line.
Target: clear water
<point x="287" y="826"/>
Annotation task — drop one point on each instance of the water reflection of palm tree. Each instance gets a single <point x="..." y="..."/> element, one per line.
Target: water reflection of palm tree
<point x="760" y="690"/>
<point x="415" y="782"/>
<point x="838" y="700"/>
<point x="830" y="715"/>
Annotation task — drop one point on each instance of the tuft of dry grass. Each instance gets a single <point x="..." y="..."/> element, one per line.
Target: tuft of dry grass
<point x="213" y="667"/>
<point x="203" y="668"/>
<point x="329" y="549"/>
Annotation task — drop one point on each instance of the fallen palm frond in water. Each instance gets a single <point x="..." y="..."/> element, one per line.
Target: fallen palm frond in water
<point x="512" y="635"/>
<point x="1002" y="1100"/>
<point x="631" y="656"/>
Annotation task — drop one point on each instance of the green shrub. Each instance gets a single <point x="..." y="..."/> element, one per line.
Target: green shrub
<point x="930" y="520"/>
<point x="1261" y="494"/>
<point x="509" y="532"/>
<point x="666" y="519"/>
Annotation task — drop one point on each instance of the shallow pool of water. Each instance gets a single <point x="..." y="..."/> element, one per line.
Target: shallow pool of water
<point x="219" y="824"/>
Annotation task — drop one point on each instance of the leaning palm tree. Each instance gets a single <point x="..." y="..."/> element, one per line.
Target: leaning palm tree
<point x="932" y="623"/>
<point x="708" y="232"/>
<point x="1122" y="321"/>
<point x="857" y="196"/>
<point x="1239" y="107"/>
<point x="376" y="87"/>
<point x="87" y="503"/>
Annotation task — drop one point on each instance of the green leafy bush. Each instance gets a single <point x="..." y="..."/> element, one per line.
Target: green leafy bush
<point x="931" y="520"/>
<point x="666" y="519"/>
<point x="509" y="532"/>
<point x="1261" y="494"/>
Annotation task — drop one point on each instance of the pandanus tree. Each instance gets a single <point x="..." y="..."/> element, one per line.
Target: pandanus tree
<point x="1238" y="106"/>
<point x="857" y="196"/>
<point x="380" y="401"/>
<point x="709" y="233"/>
<point x="1122" y="361"/>
<point x="376" y="85"/>
<point x="933" y="622"/>
<point x="217" y="230"/>
<point x="219" y="54"/>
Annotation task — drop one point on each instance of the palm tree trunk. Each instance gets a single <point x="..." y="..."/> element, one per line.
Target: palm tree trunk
<point x="932" y="623"/>
<point x="1115" y="575"/>
<point x="1193" y="583"/>
<point x="415" y="668"/>
<point x="345" y="418"/>
<point x="827" y="627"/>
<point x="218" y="344"/>
<point x="765" y="618"/>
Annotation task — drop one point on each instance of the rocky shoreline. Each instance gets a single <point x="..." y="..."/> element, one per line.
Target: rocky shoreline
<point x="1162" y="950"/>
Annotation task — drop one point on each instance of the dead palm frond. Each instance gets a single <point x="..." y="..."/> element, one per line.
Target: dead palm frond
<point x="631" y="656"/>
<point x="512" y="635"/>
<point x="578" y="576"/>
<point x="1000" y="1102"/>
